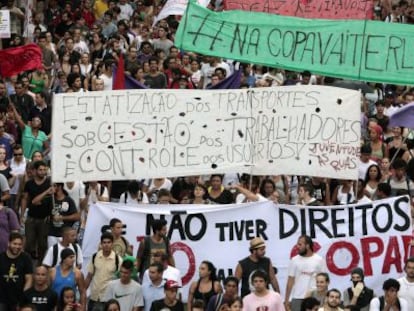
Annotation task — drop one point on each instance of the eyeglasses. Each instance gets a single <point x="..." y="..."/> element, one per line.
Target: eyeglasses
<point x="18" y="154"/>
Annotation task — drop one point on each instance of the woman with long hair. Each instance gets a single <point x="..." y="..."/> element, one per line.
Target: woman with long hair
<point x="322" y="286"/>
<point x="76" y="68"/>
<point x="372" y="179"/>
<point x="206" y="286"/>
<point x="64" y="61"/>
<point x="385" y="166"/>
<point x="97" y="47"/>
<point x="67" y="300"/>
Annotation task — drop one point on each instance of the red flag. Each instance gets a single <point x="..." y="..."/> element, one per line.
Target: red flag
<point x="119" y="82"/>
<point x="15" y="60"/>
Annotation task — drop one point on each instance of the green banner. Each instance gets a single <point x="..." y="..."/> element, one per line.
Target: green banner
<point x="352" y="49"/>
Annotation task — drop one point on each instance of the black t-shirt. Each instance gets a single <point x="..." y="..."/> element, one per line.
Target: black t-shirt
<point x="43" y="300"/>
<point x="45" y="208"/>
<point x="63" y="207"/>
<point x="156" y="82"/>
<point x="226" y="197"/>
<point x="159" y="305"/>
<point x="12" y="277"/>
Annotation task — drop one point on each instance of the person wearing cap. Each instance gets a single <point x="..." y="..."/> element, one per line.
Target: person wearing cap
<point x="301" y="271"/>
<point x="390" y="300"/>
<point x="255" y="261"/>
<point x="66" y="275"/>
<point x="358" y="295"/>
<point x="170" y="301"/>
<point x="127" y="291"/>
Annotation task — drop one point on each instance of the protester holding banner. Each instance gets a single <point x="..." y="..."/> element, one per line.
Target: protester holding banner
<point x="217" y="193"/>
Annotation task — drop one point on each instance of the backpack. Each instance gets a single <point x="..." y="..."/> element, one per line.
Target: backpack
<point x="146" y="253"/>
<point x="140" y="196"/>
<point x="55" y="253"/>
<point x="382" y="303"/>
<point x="101" y="189"/>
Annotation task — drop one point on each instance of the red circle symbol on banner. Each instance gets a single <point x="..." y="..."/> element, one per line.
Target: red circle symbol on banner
<point x="179" y="246"/>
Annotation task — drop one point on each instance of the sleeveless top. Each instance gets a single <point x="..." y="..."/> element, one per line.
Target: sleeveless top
<point x="204" y="296"/>
<point x="63" y="281"/>
<point x="248" y="267"/>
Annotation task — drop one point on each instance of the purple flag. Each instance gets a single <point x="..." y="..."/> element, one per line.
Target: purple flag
<point x="232" y="82"/>
<point x="130" y="83"/>
<point x="404" y="116"/>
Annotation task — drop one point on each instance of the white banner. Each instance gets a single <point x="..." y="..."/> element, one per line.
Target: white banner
<point x="373" y="236"/>
<point x="129" y="134"/>
<point x="5" y="24"/>
<point x="175" y="7"/>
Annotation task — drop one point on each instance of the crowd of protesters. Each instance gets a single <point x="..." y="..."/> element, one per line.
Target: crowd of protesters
<point x="81" y="41"/>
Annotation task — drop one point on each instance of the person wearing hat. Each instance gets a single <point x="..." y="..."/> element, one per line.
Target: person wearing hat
<point x="358" y="295"/>
<point x="170" y="300"/>
<point x="255" y="261"/>
<point x="66" y="275"/>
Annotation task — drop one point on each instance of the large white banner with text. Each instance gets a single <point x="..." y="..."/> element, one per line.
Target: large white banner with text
<point x="373" y="236"/>
<point x="129" y="134"/>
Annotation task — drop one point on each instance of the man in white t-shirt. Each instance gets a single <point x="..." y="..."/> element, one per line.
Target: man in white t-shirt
<point x="390" y="300"/>
<point x="407" y="282"/>
<point x="125" y="290"/>
<point x="364" y="161"/>
<point x="52" y="257"/>
<point x="301" y="273"/>
<point x="262" y="298"/>
<point x="169" y="273"/>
